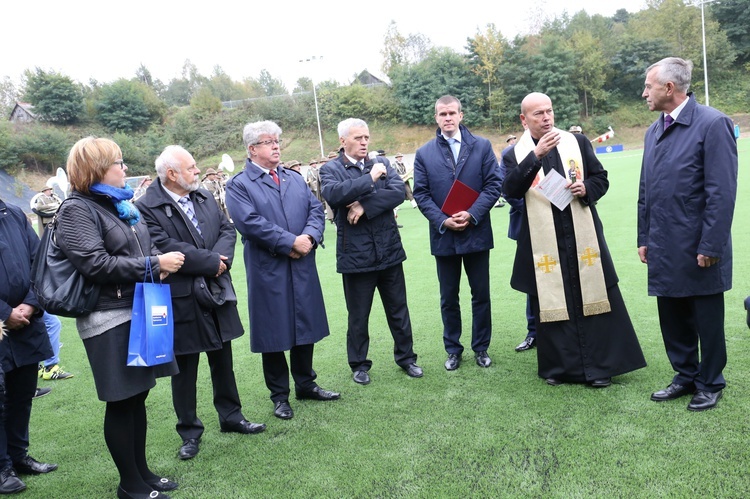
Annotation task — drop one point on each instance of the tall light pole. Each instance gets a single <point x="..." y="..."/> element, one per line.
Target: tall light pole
<point x="705" y="60"/>
<point x="315" y="97"/>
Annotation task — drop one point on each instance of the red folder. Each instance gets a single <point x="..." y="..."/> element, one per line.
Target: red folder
<point x="460" y="198"/>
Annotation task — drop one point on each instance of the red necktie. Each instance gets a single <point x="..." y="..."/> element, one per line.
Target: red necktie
<point x="274" y="176"/>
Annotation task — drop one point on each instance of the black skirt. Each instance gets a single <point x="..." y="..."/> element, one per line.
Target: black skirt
<point x="114" y="379"/>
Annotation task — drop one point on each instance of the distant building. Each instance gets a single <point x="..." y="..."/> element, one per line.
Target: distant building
<point x="368" y="79"/>
<point x="22" y="113"/>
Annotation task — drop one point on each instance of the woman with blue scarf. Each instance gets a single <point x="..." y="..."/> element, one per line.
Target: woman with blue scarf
<point x="100" y="231"/>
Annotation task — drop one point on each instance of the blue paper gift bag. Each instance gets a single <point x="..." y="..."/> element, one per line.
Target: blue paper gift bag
<point x="151" y="327"/>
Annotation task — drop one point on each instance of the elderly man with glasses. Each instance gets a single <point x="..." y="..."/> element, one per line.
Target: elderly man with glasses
<point x="281" y="223"/>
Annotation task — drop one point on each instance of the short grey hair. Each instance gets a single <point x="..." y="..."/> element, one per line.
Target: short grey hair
<point x="348" y="124"/>
<point x="252" y="132"/>
<point x="674" y="69"/>
<point x="167" y="160"/>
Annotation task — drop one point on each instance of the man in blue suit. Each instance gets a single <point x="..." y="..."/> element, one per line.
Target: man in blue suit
<point x="463" y="237"/>
<point x="685" y="206"/>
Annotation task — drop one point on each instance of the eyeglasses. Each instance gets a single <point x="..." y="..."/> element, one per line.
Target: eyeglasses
<point x="121" y="163"/>
<point x="268" y="142"/>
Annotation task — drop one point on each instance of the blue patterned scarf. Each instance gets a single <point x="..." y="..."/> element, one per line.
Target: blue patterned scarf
<point x="120" y="198"/>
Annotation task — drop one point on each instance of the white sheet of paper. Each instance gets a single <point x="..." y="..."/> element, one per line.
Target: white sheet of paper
<point x="553" y="187"/>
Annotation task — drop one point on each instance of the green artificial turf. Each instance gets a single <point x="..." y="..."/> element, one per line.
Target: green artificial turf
<point x="497" y="432"/>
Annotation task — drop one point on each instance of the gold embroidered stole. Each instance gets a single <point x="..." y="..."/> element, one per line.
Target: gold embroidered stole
<point x="547" y="266"/>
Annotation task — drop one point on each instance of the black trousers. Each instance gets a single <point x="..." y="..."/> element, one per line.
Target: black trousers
<point x="276" y="371"/>
<point x="20" y="387"/>
<point x="226" y="397"/>
<point x="686" y="323"/>
<point x="359" y="290"/>
<point x="477" y="267"/>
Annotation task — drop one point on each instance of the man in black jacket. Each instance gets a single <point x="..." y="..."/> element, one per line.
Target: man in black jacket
<point x="369" y="254"/>
<point x="25" y="345"/>
<point x="182" y="217"/>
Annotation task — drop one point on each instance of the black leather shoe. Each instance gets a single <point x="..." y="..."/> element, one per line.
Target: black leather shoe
<point x="154" y="494"/>
<point x="283" y="410"/>
<point x="673" y="391"/>
<point x="30" y="466"/>
<point x="318" y="393"/>
<point x="243" y="426"/>
<point x="189" y="449"/>
<point x="9" y="481"/>
<point x="163" y="485"/>
<point x="454" y="360"/>
<point x="703" y="400"/>
<point x="601" y="383"/>
<point x="526" y="344"/>
<point x="414" y="371"/>
<point x="553" y="381"/>
<point x="361" y="377"/>
<point x="483" y="360"/>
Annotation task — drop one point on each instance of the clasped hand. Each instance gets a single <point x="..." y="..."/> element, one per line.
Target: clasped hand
<point x="458" y="221"/>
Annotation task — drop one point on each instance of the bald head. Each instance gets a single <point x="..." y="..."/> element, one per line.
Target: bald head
<point x="537" y="114"/>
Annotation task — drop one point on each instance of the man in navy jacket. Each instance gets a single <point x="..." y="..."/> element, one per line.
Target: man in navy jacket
<point x="25" y="345"/>
<point x="363" y="193"/>
<point x="461" y="238"/>
<point x="685" y="206"/>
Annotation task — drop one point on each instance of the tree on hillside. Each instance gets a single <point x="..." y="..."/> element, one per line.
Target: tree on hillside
<point x="8" y="97"/>
<point x="486" y="51"/>
<point x="304" y="84"/>
<point x="590" y="69"/>
<point x="143" y="75"/>
<point x="56" y="98"/>
<point x="204" y="102"/>
<point x="271" y="86"/>
<point x="734" y="18"/>
<point x="179" y="91"/>
<point x="552" y="73"/>
<point x="399" y="49"/>
<point x="224" y="88"/>
<point x="630" y="63"/>
<point x="127" y="106"/>
<point x="679" y="25"/>
<point x="444" y="71"/>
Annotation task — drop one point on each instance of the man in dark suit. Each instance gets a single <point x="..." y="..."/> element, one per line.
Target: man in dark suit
<point x="369" y="255"/>
<point x="463" y="237"/>
<point x="183" y="217"/>
<point x="685" y="207"/>
<point x="517" y="208"/>
<point x="25" y="345"/>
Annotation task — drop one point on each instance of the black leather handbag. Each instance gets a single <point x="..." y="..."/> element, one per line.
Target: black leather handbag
<point x="59" y="287"/>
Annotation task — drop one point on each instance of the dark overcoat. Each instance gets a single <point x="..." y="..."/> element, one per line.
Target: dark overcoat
<point x="196" y="329"/>
<point x="18" y="246"/>
<point x="434" y="174"/>
<point x="285" y="300"/>
<point x="686" y="202"/>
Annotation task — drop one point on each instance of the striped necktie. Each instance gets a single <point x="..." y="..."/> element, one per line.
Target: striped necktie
<point x="188" y="209"/>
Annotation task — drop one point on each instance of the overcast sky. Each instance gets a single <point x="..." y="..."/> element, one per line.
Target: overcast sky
<point x="108" y="40"/>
